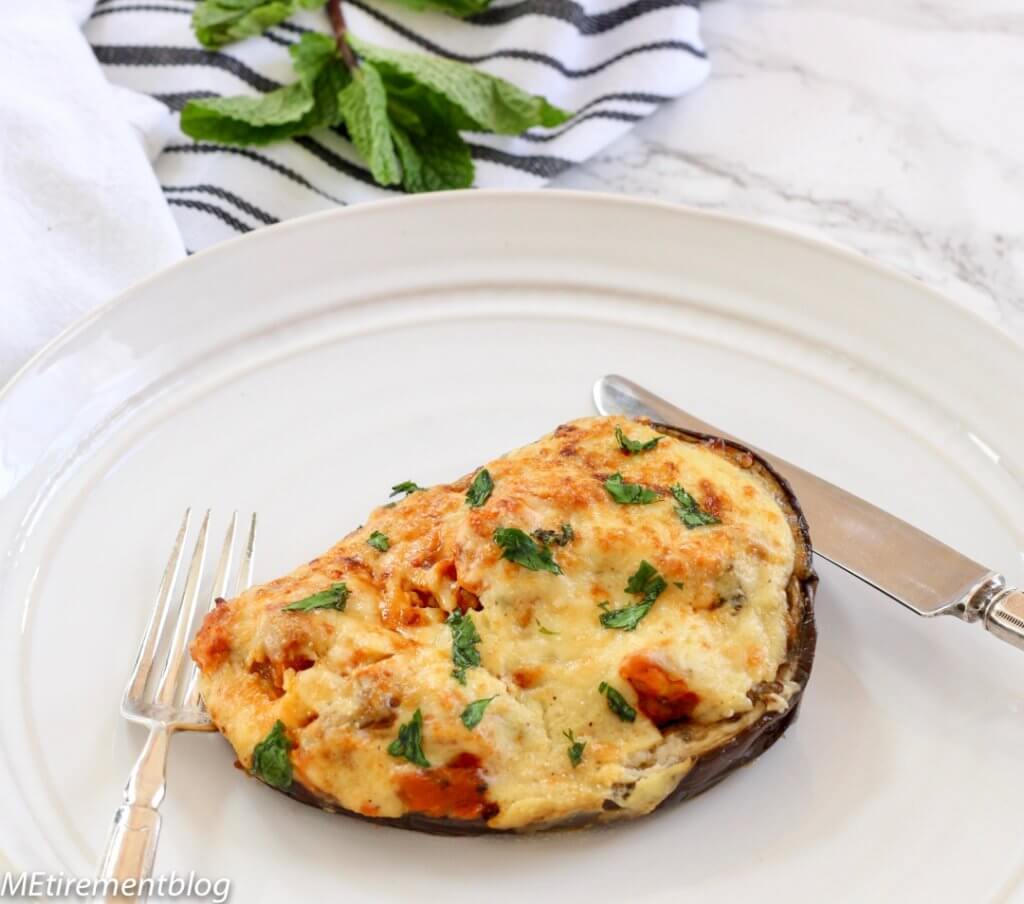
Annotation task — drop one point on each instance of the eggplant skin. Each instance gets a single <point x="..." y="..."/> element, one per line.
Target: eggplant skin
<point x="747" y="746"/>
<point x="715" y="764"/>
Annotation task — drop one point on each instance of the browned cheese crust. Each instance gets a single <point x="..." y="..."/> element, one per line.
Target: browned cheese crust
<point x="713" y="669"/>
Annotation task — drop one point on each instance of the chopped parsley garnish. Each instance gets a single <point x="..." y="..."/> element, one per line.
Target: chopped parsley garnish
<point x="406" y="486"/>
<point x="334" y="597"/>
<point x="409" y="743"/>
<point x="379" y="541"/>
<point x="474" y="712"/>
<point x="561" y="537"/>
<point x="633" y="446"/>
<point x="646" y="583"/>
<point x="575" y="749"/>
<point x="519" y="547"/>
<point x="629" y="493"/>
<point x="689" y="512"/>
<point x="626" y="618"/>
<point x="544" y="630"/>
<point x="480" y="489"/>
<point x="270" y="760"/>
<point x="678" y="584"/>
<point x="464" y="640"/>
<point x="617" y="703"/>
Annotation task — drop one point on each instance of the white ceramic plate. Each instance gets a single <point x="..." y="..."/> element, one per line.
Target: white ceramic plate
<point x="305" y="369"/>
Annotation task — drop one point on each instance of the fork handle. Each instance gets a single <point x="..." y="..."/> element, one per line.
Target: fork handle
<point x="131" y="846"/>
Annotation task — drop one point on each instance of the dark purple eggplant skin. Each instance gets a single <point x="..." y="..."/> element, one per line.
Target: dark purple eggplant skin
<point x="747" y="746"/>
<point x="713" y="766"/>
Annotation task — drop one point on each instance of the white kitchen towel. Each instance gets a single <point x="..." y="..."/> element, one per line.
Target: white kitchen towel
<point x="81" y="214"/>
<point x="610" y="62"/>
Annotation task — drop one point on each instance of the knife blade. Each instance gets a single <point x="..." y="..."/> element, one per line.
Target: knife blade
<point x="905" y="563"/>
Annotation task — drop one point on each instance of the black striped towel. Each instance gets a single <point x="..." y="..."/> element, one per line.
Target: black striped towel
<point x="610" y="62"/>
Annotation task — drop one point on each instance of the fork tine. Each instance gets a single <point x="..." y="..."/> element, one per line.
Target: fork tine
<point x="186" y="614"/>
<point x="245" y="567"/>
<point x="219" y="589"/>
<point x="220" y="579"/>
<point x="144" y="659"/>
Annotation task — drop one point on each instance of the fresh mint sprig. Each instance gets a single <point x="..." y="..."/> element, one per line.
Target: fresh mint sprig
<point x="403" y="111"/>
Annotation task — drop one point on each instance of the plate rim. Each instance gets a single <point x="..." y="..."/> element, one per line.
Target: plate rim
<point x="813" y="244"/>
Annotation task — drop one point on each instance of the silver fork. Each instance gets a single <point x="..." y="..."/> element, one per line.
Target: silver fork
<point x="166" y="699"/>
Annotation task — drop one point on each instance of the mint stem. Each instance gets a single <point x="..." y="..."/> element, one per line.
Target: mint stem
<point x="340" y="30"/>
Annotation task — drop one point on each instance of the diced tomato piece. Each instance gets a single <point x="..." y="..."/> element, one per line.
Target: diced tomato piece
<point x="454" y="791"/>
<point x="466" y="600"/>
<point x="663" y="698"/>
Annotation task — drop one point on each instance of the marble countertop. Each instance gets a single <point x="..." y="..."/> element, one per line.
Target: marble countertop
<point x="890" y="126"/>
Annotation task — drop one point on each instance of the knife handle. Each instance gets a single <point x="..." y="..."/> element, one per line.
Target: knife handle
<point x="1004" y="617"/>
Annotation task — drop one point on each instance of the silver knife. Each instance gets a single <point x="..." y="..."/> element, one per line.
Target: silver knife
<point x="905" y="563"/>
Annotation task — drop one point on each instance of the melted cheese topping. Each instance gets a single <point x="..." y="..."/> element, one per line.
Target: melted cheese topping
<point x="343" y="681"/>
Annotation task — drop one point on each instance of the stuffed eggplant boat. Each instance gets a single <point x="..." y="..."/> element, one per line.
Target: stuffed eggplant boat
<point x="613" y="617"/>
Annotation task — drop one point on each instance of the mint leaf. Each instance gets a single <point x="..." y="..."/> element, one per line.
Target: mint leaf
<point x="629" y="493"/>
<point x="434" y="157"/>
<point x="334" y="597"/>
<point x="311" y="54"/>
<point x="474" y="712"/>
<point x="465" y="655"/>
<point x="480" y="489"/>
<point x="689" y="512"/>
<point x="270" y="760"/>
<point x="403" y="111"/>
<point x="575" y="750"/>
<point x="407" y="487"/>
<point x="409" y="743"/>
<point x="249" y="120"/>
<point x="379" y="541"/>
<point x="617" y="703"/>
<point x="437" y="161"/>
<point x="634" y="446"/>
<point x="295" y="109"/>
<point x="460" y="8"/>
<point x="466" y="97"/>
<point x="517" y="546"/>
<point x="364" y="108"/>
<point x="219" y="22"/>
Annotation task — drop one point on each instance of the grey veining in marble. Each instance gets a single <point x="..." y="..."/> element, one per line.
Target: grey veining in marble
<point x="895" y="127"/>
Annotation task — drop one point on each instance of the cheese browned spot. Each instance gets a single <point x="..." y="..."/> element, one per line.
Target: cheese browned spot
<point x="344" y="682"/>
